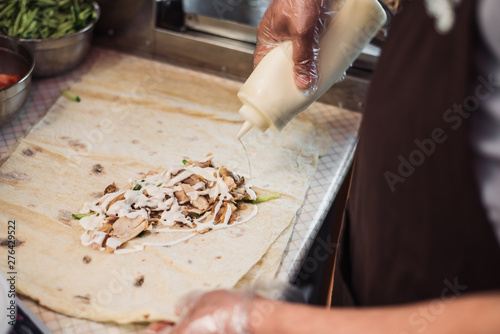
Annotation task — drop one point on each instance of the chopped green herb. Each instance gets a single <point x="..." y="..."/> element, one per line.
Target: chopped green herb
<point x="140" y="235"/>
<point x="81" y="215"/>
<point x="263" y="198"/>
<point x="71" y="96"/>
<point x="137" y="187"/>
<point x="159" y="185"/>
<point x="194" y="215"/>
<point x="184" y="162"/>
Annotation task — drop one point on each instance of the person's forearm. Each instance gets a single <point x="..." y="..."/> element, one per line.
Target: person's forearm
<point x="474" y="314"/>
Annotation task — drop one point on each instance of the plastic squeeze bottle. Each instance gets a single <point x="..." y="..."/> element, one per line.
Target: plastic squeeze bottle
<point x="269" y="96"/>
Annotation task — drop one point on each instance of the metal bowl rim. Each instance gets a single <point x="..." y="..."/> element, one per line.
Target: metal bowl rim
<point x="82" y="31"/>
<point x="19" y="43"/>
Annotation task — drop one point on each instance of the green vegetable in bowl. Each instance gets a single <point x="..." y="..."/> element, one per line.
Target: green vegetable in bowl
<point x="40" y="19"/>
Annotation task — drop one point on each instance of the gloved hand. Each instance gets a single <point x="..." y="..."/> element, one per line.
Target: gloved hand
<point x="221" y="311"/>
<point x="302" y="22"/>
<point x="228" y="311"/>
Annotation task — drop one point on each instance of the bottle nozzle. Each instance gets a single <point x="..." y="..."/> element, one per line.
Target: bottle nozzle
<point x="244" y="129"/>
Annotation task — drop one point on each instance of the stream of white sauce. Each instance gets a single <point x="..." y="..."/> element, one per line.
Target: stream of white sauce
<point x="160" y="188"/>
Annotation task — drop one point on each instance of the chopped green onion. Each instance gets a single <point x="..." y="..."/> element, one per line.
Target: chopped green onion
<point x="81" y="215"/>
<point x="263" y="198"/>
<point x="159" y="185"/>
<point x="71" y="96"/>
<point x="184" y="162"/>
<point x="137" y="187"/>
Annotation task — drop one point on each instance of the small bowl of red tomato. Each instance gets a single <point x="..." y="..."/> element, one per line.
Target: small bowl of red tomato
<point x="16" y="68"/>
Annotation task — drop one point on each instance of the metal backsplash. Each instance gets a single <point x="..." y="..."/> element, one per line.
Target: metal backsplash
<point x="192" y="33"/>
<point x="248" y="12"/>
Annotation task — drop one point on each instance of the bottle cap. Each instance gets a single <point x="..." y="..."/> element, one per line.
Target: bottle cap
<point x="244" y="129"/>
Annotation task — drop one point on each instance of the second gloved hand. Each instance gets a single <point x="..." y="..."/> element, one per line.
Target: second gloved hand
<point x="221" y="311"/>
<point x="229" y="311"/>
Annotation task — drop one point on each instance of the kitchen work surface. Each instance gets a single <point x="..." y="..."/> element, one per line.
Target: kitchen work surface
<point x="127" y="107"/>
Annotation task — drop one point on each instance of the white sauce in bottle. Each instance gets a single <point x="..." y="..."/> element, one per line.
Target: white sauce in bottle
<point x="270" y="97"/>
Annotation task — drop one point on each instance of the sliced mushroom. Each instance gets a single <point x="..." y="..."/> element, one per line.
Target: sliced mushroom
<point x="201" y="203"/>
<point x="155" y="214"/>
<point x="114" y="200"/>
<point x="106" y="227"/>
<point x="189" y="210"/>
<point x="234" y="218"/>
<point x="223" y="171"/>
<point x="126" y="228"/>
<point x="193" y="179"/>
<point x="111" y="219"/>
<point x="181" y="196"/>
<point x="187" y="188"/>
<point x="203" y="164"/>
<point x="229" y="181"/>
<point x="207" y="216"/>
<point x="241" y="205"/>
<point x="219" y="217"/>
<point x="239" y="194"/>
<point x="110" y="189"/>
<point x="153" y="221"/>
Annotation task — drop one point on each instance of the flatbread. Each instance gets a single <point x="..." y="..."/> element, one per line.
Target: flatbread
<point x="137" y="115"/>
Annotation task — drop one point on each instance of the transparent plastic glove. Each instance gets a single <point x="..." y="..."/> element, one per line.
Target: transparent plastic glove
<point x="303" y="22"/>
<point x="226" y="311"/>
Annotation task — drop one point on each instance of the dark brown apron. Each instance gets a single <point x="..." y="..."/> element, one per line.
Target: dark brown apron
<point x="415" y="227"/>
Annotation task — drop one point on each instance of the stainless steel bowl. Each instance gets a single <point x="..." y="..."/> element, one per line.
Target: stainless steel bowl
<point x="17" y="59"/>
<point x="60" y="54"/>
